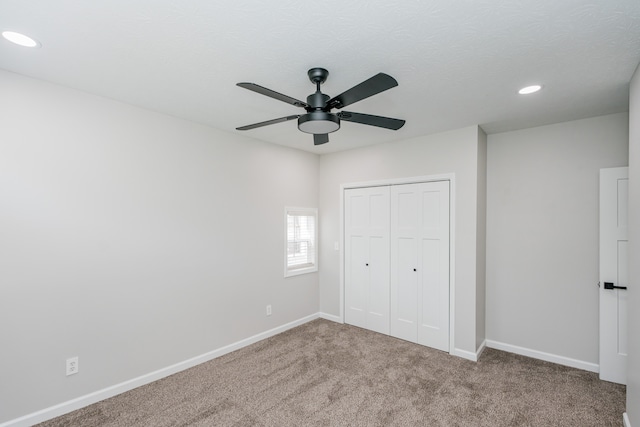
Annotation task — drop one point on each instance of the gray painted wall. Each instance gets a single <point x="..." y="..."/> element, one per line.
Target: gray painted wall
<point x="542" y="233"/>
<point x="633" y="383"/>
<point x="481" y="241"/>
<point x="133" y="240"/>
<point x="450" y="152"/>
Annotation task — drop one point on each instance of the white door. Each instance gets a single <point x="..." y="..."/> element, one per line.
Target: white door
<point x="614" y="195"/>
<point x="420" y="263"/>
<point x="366" y="236"/>
<point x="405" y="226"/>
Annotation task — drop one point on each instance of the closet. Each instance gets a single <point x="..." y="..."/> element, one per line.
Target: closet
<point x="397" y="261"/>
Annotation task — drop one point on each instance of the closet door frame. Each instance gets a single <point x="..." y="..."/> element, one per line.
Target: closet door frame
<point x="452" y="236"/>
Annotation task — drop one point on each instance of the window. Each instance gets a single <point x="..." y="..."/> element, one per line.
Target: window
<point x="301" y="255"/>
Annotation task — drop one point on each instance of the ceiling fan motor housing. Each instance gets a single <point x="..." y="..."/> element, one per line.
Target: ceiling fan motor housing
<point x="317" y="121"/>
<point x="317" y="101"/>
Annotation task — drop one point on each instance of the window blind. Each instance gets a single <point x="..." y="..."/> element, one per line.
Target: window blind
<point x="301" y="252"/>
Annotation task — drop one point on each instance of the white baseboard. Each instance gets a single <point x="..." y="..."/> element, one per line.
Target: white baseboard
<point x="469" y="355"/>
<point x="548" y="357"/>
<point x="481" y="349"/>
<point x="625" y="419"/>
<point x="97" y="396"/>
<point x="331" y="317"/>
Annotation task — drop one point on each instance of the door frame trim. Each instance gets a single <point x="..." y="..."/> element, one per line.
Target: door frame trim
<point x="451" y="177"/>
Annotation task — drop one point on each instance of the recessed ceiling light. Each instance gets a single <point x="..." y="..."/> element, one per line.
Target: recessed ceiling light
<point x="20" y="39"/>
<point x="529" y="89"/>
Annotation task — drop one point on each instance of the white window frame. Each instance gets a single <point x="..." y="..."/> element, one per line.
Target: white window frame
<point x="312" y="265"/>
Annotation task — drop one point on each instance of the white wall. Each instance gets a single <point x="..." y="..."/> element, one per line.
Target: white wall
<point x="542" y="233"/>
<point x="133" y="240"/>
<point x="481" y="240"/>
<point x="450" y="152"/>
<point x="633" y="381"/>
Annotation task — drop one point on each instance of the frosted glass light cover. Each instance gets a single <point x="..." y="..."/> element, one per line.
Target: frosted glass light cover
<point x="529" y="89"/>
<point x="20" y="39"/>
<point x="318" y="122"/>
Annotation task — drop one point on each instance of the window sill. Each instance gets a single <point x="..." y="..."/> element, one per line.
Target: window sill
<point x="299" y="271"/>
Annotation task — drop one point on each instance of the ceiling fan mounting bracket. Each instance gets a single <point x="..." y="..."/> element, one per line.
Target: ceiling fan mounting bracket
<point x="318" y="75"/>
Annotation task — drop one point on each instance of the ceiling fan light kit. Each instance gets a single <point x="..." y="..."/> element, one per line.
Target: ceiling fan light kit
<point x="319" y="120"/>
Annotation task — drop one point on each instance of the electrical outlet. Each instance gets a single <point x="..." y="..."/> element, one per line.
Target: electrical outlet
<point x="269" y="310"/>
<point x="72" y="365"/>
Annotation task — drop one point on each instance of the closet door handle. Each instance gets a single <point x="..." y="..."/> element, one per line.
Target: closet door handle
<point x="610" y="285"/>
<point x="415" y="269"/>
<point x="367" y="264"/>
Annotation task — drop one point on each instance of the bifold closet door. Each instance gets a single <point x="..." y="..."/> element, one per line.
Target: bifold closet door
<point x="419" y="285"/>
<point x="366" y="236"/>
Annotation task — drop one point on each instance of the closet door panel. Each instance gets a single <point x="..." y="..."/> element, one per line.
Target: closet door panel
<point x="378" y="268"/>
<point x="378" y="302"/>
<point x="430" y="289"/>
<point x="430" y="258"/>
<point x="404" y="302"/>
<point x="356" y="277"/>
<point x="431" y="210"/>
<point x="405" y="213"/>
<point x="433" y="322"/>
<point x="404" y="278"/>
<point x="379" y="211"/>
<point x="367" y="258"/>
<point x="356" y="252"/>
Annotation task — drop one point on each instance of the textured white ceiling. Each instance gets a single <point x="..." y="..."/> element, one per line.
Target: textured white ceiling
<point x="458" y="63"/>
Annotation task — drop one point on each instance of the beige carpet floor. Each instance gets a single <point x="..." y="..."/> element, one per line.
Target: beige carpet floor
<point x="327" y="374"/>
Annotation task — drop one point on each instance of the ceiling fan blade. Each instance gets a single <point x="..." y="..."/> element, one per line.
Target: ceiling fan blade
<point x="320" y="138"/>
<point x="273" y="94"/>
<point x="268" y="122"/>
<point x="376" y="84"/>
<point x="368" y="119"/>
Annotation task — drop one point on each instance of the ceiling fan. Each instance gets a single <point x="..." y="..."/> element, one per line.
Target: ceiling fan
<point x="319" y="120"/>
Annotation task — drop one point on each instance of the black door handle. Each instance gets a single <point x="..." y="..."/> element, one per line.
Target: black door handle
<point x="609" y="285"/>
